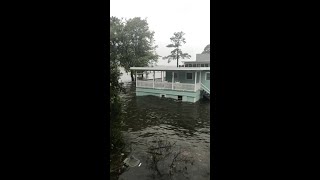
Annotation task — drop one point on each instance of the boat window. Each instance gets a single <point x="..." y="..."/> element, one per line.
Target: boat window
<point x="206" y="65"/>
<point x="202" y="65"/>
<point x="180" y="98"/>
<point x="194" y="65"/>
<point x="198" y="65"/>
<point x="208" y="76"/>
<point x="189" y="76"/>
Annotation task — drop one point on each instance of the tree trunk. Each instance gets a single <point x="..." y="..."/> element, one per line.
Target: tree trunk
<point x="177" y="58"/>
<point x="132" y="77"/>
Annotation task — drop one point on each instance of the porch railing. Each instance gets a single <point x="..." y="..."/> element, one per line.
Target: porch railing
<point x="162" y="85"/>
<point x="145" y="84"/>
<point x="183" y="87"/>
<point x="168" y="85"/>
<point x="205" y="88"/>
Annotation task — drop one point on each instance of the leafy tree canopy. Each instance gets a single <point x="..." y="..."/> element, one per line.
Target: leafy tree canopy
<point x="135" y="43"/>
<point x="206" y="49"/>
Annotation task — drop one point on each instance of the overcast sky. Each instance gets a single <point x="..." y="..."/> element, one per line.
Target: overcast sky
<point x="168" y="16"/>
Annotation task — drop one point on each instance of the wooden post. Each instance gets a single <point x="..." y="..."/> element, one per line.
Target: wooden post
<point x="153" y="78"/>
<point x="172" y="79"/>
<point x="200" y="80"/>
<point x="195" y="81"/>
<point x="161" y="77"/>
<point x="136" y="80"/>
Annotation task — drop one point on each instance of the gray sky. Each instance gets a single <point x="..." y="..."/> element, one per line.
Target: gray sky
<point x="168" y="16"/>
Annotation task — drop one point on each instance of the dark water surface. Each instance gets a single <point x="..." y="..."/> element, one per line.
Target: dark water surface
<point x="150" y="119"/>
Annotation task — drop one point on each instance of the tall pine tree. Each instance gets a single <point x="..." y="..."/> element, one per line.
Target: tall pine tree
<point x="177" y="53"/>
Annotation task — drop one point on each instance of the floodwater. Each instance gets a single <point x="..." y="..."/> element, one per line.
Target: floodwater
<point x="185" y="126"/>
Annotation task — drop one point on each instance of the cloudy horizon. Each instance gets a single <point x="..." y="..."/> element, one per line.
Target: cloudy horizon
<point x="166" y="17"/>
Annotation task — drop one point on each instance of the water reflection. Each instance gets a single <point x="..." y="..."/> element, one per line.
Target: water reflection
<point x="168" y="160"/>
<point x="186" y="124"/>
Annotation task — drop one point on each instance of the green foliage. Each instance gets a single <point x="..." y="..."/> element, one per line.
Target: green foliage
<point x="115" y="87"/>
<point x="133" y="42"/>
<point x="206" y="50"/>
<point x="176" y="54"/>
<point x="136" y="44"/>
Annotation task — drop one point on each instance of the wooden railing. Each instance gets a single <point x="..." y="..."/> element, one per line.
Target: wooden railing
<point x="183" y="87"/>
<point x="205" y="88"/>
<point x="145" y="84"/>
<point x="168" y="85"/>
<point x="162" y="85"/>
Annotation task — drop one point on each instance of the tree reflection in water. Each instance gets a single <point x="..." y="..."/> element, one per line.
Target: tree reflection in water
<point x="168" y="159"/>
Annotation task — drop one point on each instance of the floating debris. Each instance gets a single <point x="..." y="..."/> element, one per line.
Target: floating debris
<point x="132" y="161"/>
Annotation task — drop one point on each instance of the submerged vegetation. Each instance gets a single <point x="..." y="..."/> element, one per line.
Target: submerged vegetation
<point x="167" y="159"/>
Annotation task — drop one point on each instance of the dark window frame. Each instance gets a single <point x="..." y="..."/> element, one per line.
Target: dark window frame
<point x="187" y="75"/>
